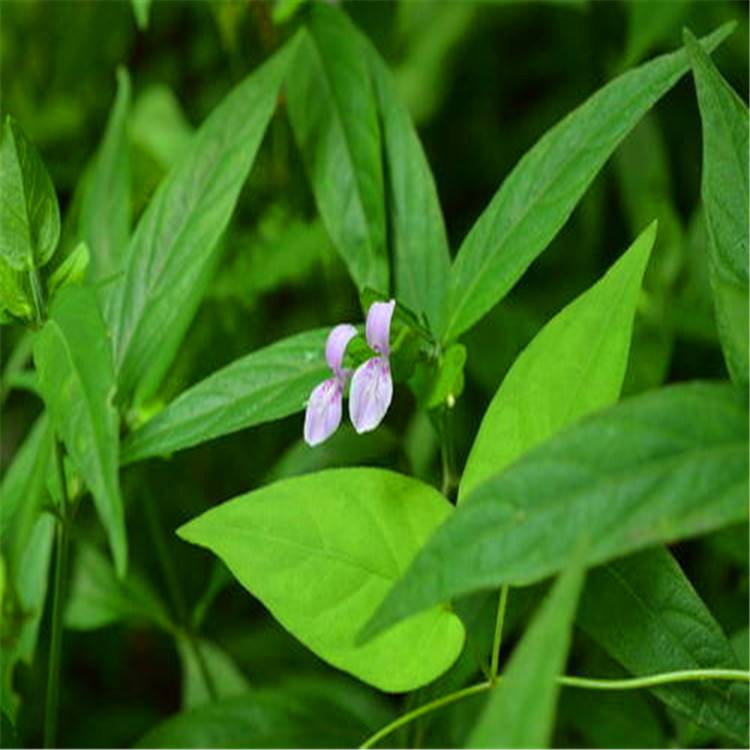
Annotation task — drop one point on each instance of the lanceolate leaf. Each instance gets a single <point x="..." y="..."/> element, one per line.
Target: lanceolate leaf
<point x="104" y="222"/>
<point x="724" y="188"/>
<point x="268" y="384"/>
<point x="174" y="245"/>
<point x="521" y="711"/>
<point x="333" y="114"/>
<point x="540" y="193"/>
<point x="643" y="610"/>
<point x="575" y="365"/>
<point x="669" y="464"/>
<point x="29" y="214"/>
<point x="419" y="244"/>
<point x="73" y="357"/>
<point x="321" y="551"/>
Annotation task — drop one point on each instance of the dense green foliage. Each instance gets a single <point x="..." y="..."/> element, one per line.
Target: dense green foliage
<point x="222" y="221"/>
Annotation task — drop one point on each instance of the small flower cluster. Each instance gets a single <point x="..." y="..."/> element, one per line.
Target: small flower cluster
<point x="371" y="386"/>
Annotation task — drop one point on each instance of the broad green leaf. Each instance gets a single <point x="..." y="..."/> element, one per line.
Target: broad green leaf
<point x="29" y="214"/>
<point x="418" y="238"/>
<point x="97" y="597"/>
<point x="645" y="612"/>
<point x="225" y="676"/>
<point x="725" y="193"/>
<point x="575" y="365"/>
<point x="666" y="465"/>
<point x="521" y="711"/>
<point x="303" y="712"/>
<point x="321" y="551"/>
<point x="104" y="221"/>
<point x="268" y="384"/>
<point x="72" y="270"/>
<point x="73" y="358"/>
<point x="334" y="117"/>
<point x="538" y="196"/>
<point x="173" y="248"/>
<point x="26" y="536"/>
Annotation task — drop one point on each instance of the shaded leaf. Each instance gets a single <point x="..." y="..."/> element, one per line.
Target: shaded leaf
<point x="268" y="384"/>
<point x="666" y="465"/>
<point x="333" y="114"/>
<point x="321" y="551"/>
<point x="645" y="612"/>
<point x="538" y="196"/>
<point x="29" y="213"/>
<point x="725" y="193"/>
<point x="73" y="358"/>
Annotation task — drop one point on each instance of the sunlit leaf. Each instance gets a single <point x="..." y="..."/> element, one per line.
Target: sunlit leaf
<point x="322" y="550"/>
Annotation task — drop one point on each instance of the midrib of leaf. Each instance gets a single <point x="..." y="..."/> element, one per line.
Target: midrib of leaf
<point x="372" y="260"/>
<point x="531" y="206"/>
<point x="101" y="438"/>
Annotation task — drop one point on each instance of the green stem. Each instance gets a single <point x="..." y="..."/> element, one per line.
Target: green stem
<point x="498" y="639"/>
<point x="665" y="678"/>
<point x="178" y="602"/>
<point x="62" y="538"/>
<point x="633" y="683"/>
<point x="445" y="700"/>
<point x="447" y="452"/>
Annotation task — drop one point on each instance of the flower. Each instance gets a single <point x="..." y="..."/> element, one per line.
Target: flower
<point x="323" y="413"/>
<point x="372" y="386"/>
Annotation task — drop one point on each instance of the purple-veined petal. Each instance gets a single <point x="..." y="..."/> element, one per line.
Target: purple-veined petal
<point x="378" y="329"/>
<point x="338" y="340"/>
<point x="323" y="413"/>
<point x="370" y="394"/>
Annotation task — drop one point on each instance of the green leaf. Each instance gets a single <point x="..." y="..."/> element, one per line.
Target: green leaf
<point x="666" y="465"/>
<point x="104" y="221"/>
<point x="226" y="678"/>
<point x="333" y="114"/>
<point x="652" y="24"/>
<point x="72" y="270"/>
<point x="173" y="249"/>
<point x="521" y="711"/>
<point x="540" y="193"/>
<point x="26" y="536"/>
<point x="29" y="214"/>
<point x="321" y="551"/>
<point x="141" y="10"/>
<point x="73" y="357"/>
<point x="725" y="193"/>
<point x="304" y="712"/>
<point x="98" y="598"/>
<point x="574" y="366"/>
<point x="418" y="238"/>
<point x="14" y="297"/>
<point x="268" y="384"/>
<point x="645" y="612"/>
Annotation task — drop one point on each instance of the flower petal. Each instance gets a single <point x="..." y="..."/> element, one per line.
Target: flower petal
<point x="378" y="328"/>
<point x="370" y="394"/>
<point x="323" y="413"/>
<point x="338" y="340"/>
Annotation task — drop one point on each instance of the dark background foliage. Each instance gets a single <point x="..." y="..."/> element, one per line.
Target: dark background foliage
<point x="483" y="82"/>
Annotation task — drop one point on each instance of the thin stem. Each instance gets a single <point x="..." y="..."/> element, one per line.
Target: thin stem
<point x="447" y="452"/>
<point x="633" y="683"/>
<point x="62" y="538"/>
<point x="444" y="700"/>
<point x="178" y="602"/>
<point x="498" y="639"/>
<point x="665" y="678"/>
